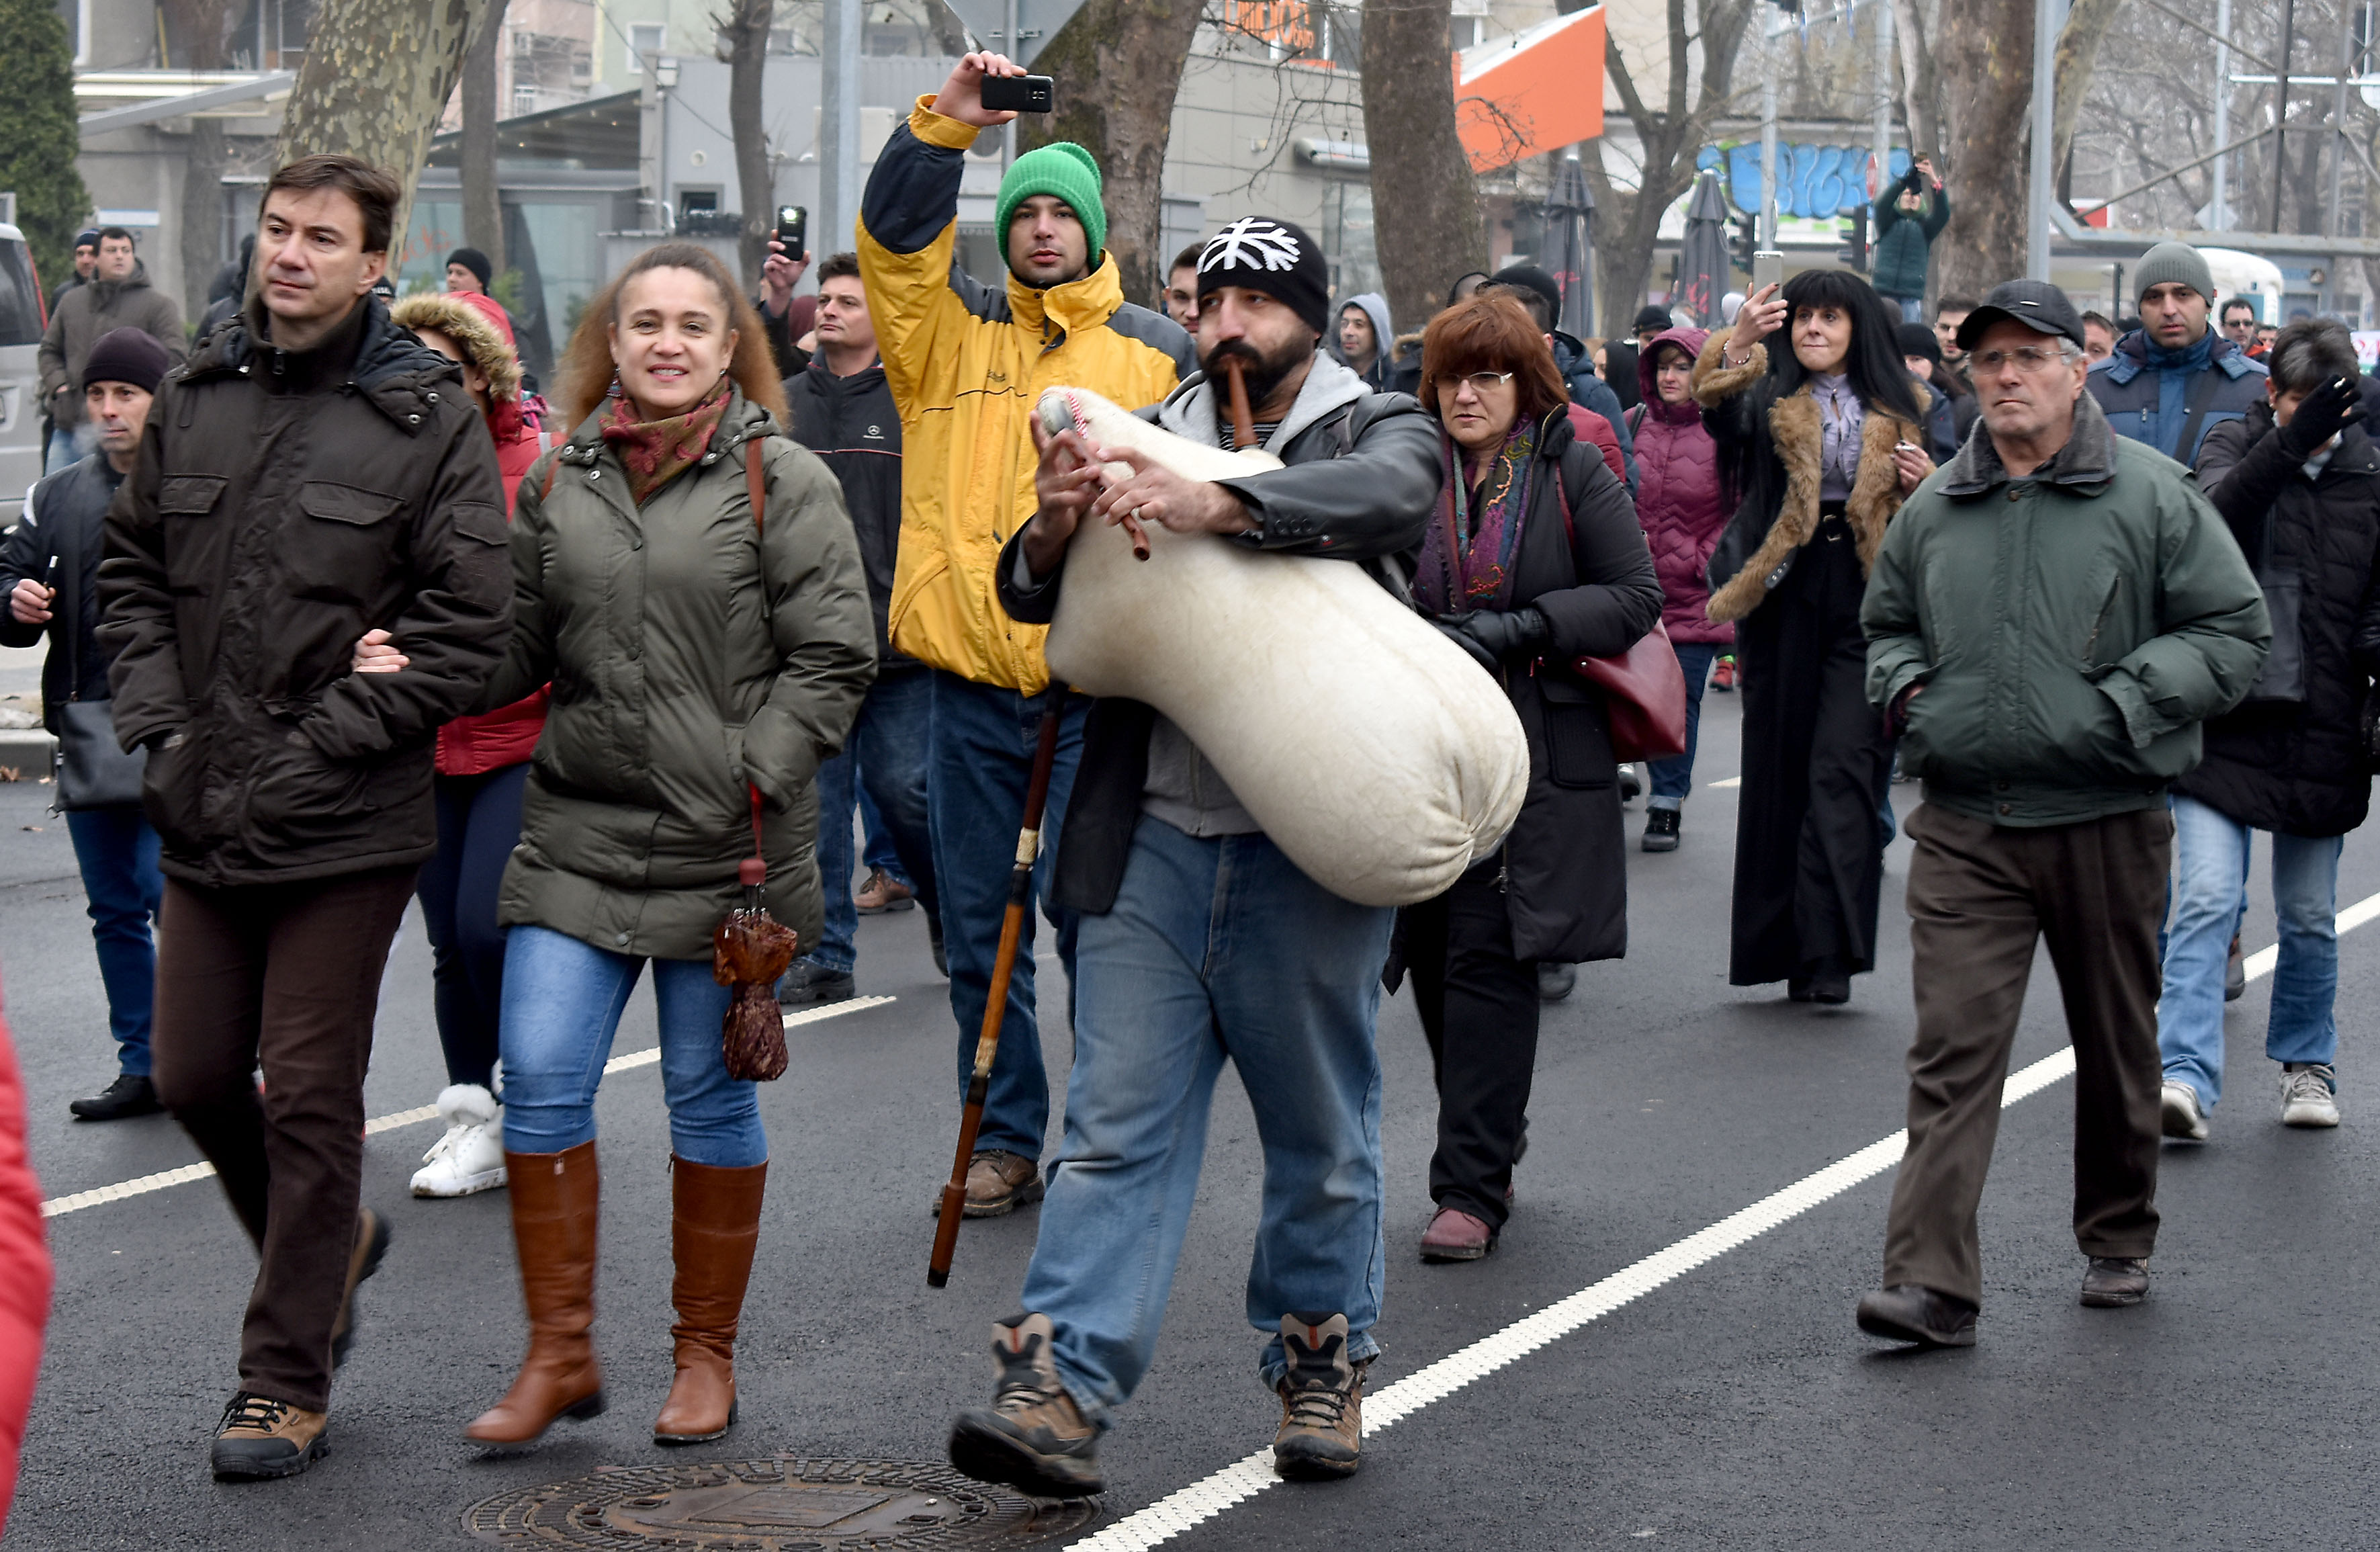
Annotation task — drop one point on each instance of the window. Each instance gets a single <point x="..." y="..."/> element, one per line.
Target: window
<point x="644" y="41"/>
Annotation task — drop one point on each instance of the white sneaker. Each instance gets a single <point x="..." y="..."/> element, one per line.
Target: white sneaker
<point x="2309" y="1094"/>
<point x="470" y="1156"/>
<point x="2183" y="1116"/>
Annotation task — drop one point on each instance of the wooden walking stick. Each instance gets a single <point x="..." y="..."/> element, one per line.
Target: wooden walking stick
<point x="1244" y="424"/>
<point x="995" y="1006"/>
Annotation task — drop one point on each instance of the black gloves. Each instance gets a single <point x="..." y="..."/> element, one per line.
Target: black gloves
<point x="1492" y="636"/>
<point x="2321" y="415"/>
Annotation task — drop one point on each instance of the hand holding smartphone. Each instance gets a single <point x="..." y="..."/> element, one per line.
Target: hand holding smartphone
<point x="1033" y="94"/>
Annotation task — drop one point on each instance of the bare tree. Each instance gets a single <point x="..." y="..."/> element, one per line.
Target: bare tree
<point x="1921" y="85"/>
<point x="1984" y="51"/>
<point x="745" y="29"/>
<point x="1420" y="168"/>
<point x="1139" y="47"/>
<point x="2078" y="56"/>
<point x="376" y="78"/>
<point x="483" y="211"/>
<point x="1627" y="224"/>
<point x="201" y="30"/>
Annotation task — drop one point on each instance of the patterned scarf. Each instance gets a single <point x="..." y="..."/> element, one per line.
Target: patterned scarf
<point x="1466" y="556"/>
<point x="654" y="451"/>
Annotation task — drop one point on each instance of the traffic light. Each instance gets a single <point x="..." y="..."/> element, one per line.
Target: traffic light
<point x="1741" y="245"/>
<point x="1853" y="253"/>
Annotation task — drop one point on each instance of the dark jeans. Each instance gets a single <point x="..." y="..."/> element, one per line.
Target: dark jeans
<point x="285" y="978"/>
<point x="1478" y="1008"/>
<point x="879" y="850"/>
<point x="980" y="756"/>
<point x="117" y="852"/>
<point x="479" y="825"/>
<point x="887" y="752"/>
<point x="1980" y="897"/>
<point x="1674" y="777"/>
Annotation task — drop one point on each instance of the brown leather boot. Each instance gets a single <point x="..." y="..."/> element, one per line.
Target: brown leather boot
<point x="714" y="1223"/>
<point x="555" y="1197"/>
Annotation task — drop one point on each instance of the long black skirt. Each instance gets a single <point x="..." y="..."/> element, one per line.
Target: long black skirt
<point x="1809" y="840"/>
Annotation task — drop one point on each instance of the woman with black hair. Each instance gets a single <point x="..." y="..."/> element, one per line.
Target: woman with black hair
<point x="1817" y="446"/>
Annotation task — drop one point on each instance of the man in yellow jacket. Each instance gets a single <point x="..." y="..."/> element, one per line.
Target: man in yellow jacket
<point x="966" y="362"/>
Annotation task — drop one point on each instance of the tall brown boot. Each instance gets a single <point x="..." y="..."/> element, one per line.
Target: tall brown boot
<point x="555" y="1197"/>
<point x="714" y="1223"/>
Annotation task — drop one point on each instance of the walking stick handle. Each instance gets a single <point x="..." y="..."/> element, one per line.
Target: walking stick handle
<point x="995" y="1006"/>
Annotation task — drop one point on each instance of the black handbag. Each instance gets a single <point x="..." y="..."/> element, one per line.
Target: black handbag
<point x="91" y="769"/>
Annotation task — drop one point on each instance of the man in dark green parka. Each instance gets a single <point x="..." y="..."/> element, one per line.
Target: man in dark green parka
<point x="2050" y="618"/>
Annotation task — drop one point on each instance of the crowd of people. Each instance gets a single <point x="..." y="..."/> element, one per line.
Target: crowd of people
<point x="384" y="625"/>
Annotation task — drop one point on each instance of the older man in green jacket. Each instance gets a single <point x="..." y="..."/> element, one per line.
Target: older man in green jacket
<point x="2051" y="616"/>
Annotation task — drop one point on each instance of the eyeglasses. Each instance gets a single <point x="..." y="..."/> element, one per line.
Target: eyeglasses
<point x="1484" y="382"/>
<point x="2030" y="360"/>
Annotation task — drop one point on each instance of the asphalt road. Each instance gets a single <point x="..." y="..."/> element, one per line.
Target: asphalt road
<point x="1734" y="1406"/>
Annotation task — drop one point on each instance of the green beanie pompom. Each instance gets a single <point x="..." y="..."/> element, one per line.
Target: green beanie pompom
<point x="1064" y="171"/>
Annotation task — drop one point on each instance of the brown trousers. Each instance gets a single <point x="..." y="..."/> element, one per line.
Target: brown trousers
<point x="285" y="976"/>
<point x="1980" y="896"/>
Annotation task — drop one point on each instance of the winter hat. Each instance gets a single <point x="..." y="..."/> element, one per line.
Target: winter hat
<point x="88" y="237"/>
<point x="125" y="356"/>
<point x="2169" y="261"/>
<point x="474" y="261"/>
<point x="1916" y="339"/>
<point x="1528" y="277"/>
<point x="1650" y="317"/>
<point x="1064" y="171"/>
<point x="1277" y="258"/>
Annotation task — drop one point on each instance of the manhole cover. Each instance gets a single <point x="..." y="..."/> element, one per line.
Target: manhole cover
<point x="784" y="1505"/>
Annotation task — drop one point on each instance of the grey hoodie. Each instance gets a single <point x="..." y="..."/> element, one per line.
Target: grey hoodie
<point x="1384" y="334"/>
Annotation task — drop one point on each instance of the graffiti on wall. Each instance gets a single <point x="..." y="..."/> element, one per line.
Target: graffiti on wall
<point x="1812" y="181"/>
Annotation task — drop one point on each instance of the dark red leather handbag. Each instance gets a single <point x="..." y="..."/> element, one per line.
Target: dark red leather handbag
<point x="1643" y="698"/>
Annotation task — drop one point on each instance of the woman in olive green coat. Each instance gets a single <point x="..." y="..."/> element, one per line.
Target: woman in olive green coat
<point x="699" y="653"/>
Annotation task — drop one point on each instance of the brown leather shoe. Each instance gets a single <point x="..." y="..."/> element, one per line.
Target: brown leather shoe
<point x="2115" y="1281"/>
<point x="555" y="1197"/>
<point x="260" y="1437"/>
<point x="1321" y="1401"/>
<point x="882" y="892"/>
<point x="1455" y="1235"/>
<point x="999" y="1183"/>
<point x="714" y="1224"/>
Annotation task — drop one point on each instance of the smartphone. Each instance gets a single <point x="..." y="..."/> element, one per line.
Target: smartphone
<point x="793" y="229"/>
<point x="1767" y="268"/>
<point x="1033" y="94"/>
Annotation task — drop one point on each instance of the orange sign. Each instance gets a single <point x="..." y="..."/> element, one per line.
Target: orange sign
<point x="1534" y="92"/>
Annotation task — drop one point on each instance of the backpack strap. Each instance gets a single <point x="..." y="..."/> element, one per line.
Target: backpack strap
<point x="754" y="482"/>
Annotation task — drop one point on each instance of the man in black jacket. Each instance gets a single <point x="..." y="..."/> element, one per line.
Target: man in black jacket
<point x="49" y="569"/>
<point x="1199" y="939"/>
<point x="844" y="412"/>
<point x="313" y="474"/>
<point x="2297" y="483"/>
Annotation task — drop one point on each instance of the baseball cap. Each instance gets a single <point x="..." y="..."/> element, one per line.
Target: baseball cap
<point x="2036" y="304"/>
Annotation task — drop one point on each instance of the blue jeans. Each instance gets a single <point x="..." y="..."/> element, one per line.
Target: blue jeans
<point x="1215" y="948"/>
<point x="69" y="446"/>
<point x="2211" y="858"/>
<point x="878" y="851"/>
<point x="116" y="853"/>
<point x="979" y="756"/>
<point x="1674" y="777"/>
<point x="563" y="1000"/>
<point x="1912" y="309"/>
<point x="886" y="753"/>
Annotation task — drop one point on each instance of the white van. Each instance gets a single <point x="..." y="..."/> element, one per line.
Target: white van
<point x="21" y="322"/>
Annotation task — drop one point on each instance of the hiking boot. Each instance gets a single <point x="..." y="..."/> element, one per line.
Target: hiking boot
<point x="882" y="892"/>
<point x="470" y="1156"/>
<point x="808" y="982"/>
<point x="998" y="1183"/>
<point x="2115" y="1281"/>
<point x="2235" y="972"/>
<point x="1455" y="1235"/>
<point x="131" y="1095"/>
<point x="2183" y="1116"/>
<point x="1660" y="830"/>
<point x="363" y="1259"/>
<point x="1555" y="980"/>
<point x="1908" y="1313"/>
<point x="1321" y="1401"/>
<point x="555" y="1202"/>
<point x="2309" y="1094"/>
<point x="260" y="1437"/>
<point x="1033" y="1435"/>
<point x="714" y="1225"/>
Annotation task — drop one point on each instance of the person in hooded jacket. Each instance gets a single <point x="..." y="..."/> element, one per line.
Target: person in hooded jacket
<point x="1362" y="336"/>
<point x="2297" y="481"/>
<point x="1682" y="509"/>
<point x="1532" y="561"/>
<point x="1950" y="404"/>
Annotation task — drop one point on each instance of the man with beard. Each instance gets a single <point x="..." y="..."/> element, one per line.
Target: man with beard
<point x="1198" y="939"/>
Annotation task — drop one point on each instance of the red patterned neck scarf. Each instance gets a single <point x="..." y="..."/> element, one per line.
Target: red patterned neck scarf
<point x="653" y="451"/>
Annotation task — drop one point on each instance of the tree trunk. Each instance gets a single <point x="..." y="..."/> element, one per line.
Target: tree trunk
<point x="1420" y="171"/>
<point x="2078" y="55"/>
<point x="1921" y="86"/>
<point x="1145" y="42"/>
<point x="949" y="32"/>
<point x="1984" y="51"/>
<point x="747" y="31"/>
<point x="483" y="211"/>
<point x="376" y="77"/>
<point x="201" y="214"/>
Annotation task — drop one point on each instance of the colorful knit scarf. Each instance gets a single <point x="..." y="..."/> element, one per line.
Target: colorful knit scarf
<point x="1466" y="556"/>
<point x="654" y="451"/>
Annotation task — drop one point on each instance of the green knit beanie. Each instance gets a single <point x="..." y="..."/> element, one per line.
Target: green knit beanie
<point x="1063" y="170"/>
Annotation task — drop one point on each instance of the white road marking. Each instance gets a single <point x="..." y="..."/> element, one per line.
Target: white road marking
<point x="1726" y="781"/>
<point x="57" y="1206"/>
<point x="1245" y="1478"/>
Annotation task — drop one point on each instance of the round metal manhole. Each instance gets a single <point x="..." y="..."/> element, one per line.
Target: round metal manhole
<point x="788" y="1504"/>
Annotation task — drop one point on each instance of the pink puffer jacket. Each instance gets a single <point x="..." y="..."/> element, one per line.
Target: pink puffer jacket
<point x="1677" y="499"/>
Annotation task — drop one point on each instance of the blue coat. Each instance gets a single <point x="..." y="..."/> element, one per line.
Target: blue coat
<point x="2147" y="400"/>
